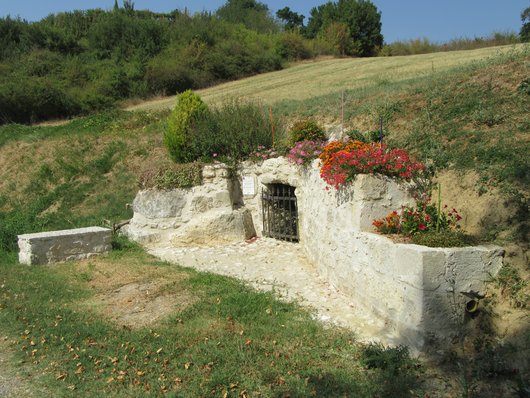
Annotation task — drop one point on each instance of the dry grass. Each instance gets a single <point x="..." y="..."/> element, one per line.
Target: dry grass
<point x="134" y="294"/>
<point x="309" y="79"/>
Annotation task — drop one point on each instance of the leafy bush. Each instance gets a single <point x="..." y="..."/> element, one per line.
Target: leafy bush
<point x="393" y="369"/>
<point x="380" y="357"/>
<point x="32" y="99"/>
<point x="292" y="46"/>
<point x="184" y="175"/>
<point x="178" y="136"/>
<point x="166" y="76"/>
<point x="232" y="131"/>
<point x="368" y="136"/>
<point x="306" y="130"/>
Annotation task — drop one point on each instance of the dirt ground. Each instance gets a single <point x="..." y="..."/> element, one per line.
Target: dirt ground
<point x="12" y="383"/>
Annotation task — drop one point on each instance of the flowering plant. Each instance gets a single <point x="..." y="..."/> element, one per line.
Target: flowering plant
<point x="425" y="217"/>
<point x="262" y="154"/>
<point x="304" y="152"/>
<point x="343" y="160"/>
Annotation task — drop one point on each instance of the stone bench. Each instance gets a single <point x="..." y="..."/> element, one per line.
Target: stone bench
<point x="65" y="245"/>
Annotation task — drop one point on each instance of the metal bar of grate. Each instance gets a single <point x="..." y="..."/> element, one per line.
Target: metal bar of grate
<point x="280" y="212"/>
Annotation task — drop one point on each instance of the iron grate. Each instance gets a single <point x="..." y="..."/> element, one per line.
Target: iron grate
<point x="280" y="212"/>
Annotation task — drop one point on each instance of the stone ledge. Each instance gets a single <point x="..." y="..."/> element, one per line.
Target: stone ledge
<point x="64" y="245"/>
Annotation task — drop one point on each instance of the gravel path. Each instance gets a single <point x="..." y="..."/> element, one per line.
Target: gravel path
<point x="268" y="264"/>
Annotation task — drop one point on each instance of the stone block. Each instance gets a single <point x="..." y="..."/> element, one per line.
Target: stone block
<point x="65" y="245"/>
<point x="154" y="203"/>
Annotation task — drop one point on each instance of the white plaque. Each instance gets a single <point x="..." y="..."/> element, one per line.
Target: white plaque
<point x="249" y="187"/>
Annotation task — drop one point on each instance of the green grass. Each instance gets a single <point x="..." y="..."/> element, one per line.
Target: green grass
<point x="471" y="117"/>
<point x="231" y="342"/>
<point x="308" y="80"/>
<point x="59" y="176"/>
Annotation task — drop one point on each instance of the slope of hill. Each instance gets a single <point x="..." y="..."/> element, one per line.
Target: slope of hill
<point x="316" y="78"/>
<point x="465" y="113"/>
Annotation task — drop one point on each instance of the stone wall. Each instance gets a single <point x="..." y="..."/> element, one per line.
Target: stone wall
<point x="66" y="245"/>
<point x="206" y="214"/>
<point x="419" y="292"/>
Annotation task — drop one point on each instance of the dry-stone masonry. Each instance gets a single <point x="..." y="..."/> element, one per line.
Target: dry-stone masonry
<point x="66" y="245"/>
<point x="205" y="214"/>
<point x="420" y="293"/>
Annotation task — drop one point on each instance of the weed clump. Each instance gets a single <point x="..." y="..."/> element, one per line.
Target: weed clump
<point x="445" y="238"/>
<point x="185" y="175"/>
<point x="393" y="369"/>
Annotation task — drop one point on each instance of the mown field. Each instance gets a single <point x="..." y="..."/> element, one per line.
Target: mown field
<point x="317" y="78"/>
<point x="464" y="113"/>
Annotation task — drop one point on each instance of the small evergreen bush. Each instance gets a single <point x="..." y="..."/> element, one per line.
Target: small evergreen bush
<point x="306" y="130"/>
<point x="179" y="131"/>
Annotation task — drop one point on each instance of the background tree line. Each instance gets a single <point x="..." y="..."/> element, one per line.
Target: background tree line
<point x="82" y="61"/>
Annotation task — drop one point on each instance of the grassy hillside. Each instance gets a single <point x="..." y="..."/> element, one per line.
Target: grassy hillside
<point x="464" y="113"/>
<point x="312" y="79"/>
<point x="460" y="111"/>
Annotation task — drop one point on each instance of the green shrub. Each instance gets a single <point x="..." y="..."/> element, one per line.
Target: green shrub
<point x="233" y="131"/>
<point x="167" y="77"/>
<point x="293" y="46"/>
<point x="306" y="130"/>
<point x="393" y="370"/>
<point x="368" y="136"/>
<point x="177" y="138"/>
<point x="32" y="99"/>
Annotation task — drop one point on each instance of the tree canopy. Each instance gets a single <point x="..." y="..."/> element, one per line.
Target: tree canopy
<point x="291" y="19"/>
<point x="251" y="13"/>
<point x="525" y="29"/>
<point x="360" y="17"/>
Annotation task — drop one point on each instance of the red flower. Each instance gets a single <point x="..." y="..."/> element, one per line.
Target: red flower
<point x="421" y="227"/>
